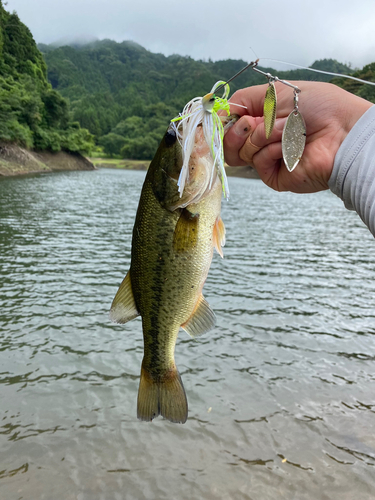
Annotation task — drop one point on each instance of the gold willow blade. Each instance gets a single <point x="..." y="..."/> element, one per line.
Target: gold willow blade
<point x="269" y="109"/>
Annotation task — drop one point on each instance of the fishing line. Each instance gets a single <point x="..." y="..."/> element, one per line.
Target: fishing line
<point x="319" y="71"/>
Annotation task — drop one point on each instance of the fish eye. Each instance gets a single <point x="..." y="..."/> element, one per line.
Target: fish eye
<point x="170" y="138"/>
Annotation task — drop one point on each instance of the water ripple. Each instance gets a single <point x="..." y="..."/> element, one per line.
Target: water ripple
<point x="281" y="392"/>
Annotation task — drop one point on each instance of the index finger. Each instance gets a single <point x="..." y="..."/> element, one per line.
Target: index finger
<point x="252" y="98"/>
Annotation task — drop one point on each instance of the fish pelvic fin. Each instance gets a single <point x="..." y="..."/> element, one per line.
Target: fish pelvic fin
<point x="202" y="319"/>
<point x="219" y="236"/>
<point x="123" y="307"/>
<point x="163" y="396"/>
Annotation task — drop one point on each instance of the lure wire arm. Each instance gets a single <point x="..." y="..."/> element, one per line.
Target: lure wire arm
<point x="252" y="65"/>
<point x="275" y="78"/>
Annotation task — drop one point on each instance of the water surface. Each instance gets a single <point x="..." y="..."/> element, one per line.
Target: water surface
<point x="281" y="393"/>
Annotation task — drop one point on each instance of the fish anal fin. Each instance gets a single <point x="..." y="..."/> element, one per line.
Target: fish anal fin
<point x="186" y="231"/>
<point x="201" y="321"/>
<point x="219" y="236"/>
<point x="163" y="396"/>
<point x="123" y="307"/>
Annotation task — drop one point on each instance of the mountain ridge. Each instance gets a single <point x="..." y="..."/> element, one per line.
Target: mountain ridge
<point x="125" y="95"/>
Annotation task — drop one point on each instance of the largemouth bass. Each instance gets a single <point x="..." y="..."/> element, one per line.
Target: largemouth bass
<point x="173" y="240"/>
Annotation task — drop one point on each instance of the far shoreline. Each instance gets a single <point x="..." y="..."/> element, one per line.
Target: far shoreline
<point x="125" y="164"/>
<point x="17" y="161"/>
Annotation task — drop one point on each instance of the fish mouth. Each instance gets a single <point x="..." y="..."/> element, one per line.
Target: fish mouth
<point x="202" y="175"/>
<point x="229" y="121"/>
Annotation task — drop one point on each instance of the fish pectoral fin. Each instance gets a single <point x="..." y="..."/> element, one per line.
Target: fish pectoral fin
<point x="123" y="307"/>
<point x="164" y="396"/>
<point x="201" y="321"/>
<point x="186" y="231"/>
<point x="219" y="236"/>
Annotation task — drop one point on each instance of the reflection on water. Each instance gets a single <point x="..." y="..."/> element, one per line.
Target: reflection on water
<point x="281" y="392"/>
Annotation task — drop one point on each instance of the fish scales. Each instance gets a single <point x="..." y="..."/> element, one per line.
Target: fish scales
<point x="166" y="281"/>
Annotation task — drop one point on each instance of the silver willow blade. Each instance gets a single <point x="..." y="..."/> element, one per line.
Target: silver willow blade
<point x="293" y="139"/>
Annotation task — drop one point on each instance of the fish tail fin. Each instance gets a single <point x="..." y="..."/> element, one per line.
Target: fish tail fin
<point x="173" y="402"/>
<point x="165" y="396"/>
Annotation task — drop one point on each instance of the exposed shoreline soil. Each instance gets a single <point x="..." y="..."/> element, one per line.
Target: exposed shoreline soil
<point x="15" y="160"/>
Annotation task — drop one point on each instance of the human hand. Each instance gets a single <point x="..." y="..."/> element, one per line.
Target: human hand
<point x="329" y="113"/>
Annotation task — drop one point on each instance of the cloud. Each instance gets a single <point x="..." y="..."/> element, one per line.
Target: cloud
<point x="293" y="31"/>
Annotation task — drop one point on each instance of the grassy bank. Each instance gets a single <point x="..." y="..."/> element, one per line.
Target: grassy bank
<point x="119" y="163"/>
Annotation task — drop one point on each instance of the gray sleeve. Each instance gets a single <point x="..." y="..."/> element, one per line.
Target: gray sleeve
<point x="353" y="174"/>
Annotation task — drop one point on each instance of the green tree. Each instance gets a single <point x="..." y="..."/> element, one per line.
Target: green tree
<point x="131" y="127"/>
<point x="141" y="148"/>
<point x="112" y="143"/>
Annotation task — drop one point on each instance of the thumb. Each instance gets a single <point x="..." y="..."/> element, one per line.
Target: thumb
<point x="235" y="138"/>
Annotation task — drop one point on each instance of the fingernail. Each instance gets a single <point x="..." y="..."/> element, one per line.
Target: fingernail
<point x="279" y="124"/>
<point x="241" y="129"/>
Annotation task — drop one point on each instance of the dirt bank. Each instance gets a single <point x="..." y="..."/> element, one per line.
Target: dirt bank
<point x="15" y="160"/>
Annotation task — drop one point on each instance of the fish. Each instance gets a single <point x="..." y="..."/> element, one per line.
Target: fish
<point x="173" y="240"/>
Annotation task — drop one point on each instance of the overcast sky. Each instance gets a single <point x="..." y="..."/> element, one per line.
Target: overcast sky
<point x="295" y="31"/>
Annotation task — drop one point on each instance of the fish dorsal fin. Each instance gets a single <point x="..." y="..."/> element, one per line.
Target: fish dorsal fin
<point x="202" y="319"/>
<point x="219" y="236"/>
<point x="123" y="307"/>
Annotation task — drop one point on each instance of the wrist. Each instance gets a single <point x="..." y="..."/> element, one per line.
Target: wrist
<point x="354" y="112"/>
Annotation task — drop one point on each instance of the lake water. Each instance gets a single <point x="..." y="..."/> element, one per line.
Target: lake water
<point x="281" y="393"/>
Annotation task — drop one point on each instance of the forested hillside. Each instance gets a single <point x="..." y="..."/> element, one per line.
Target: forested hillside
<point x="366" y="91"/>
<point x="32" y="113"/>
<point x="126" y="95"/>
